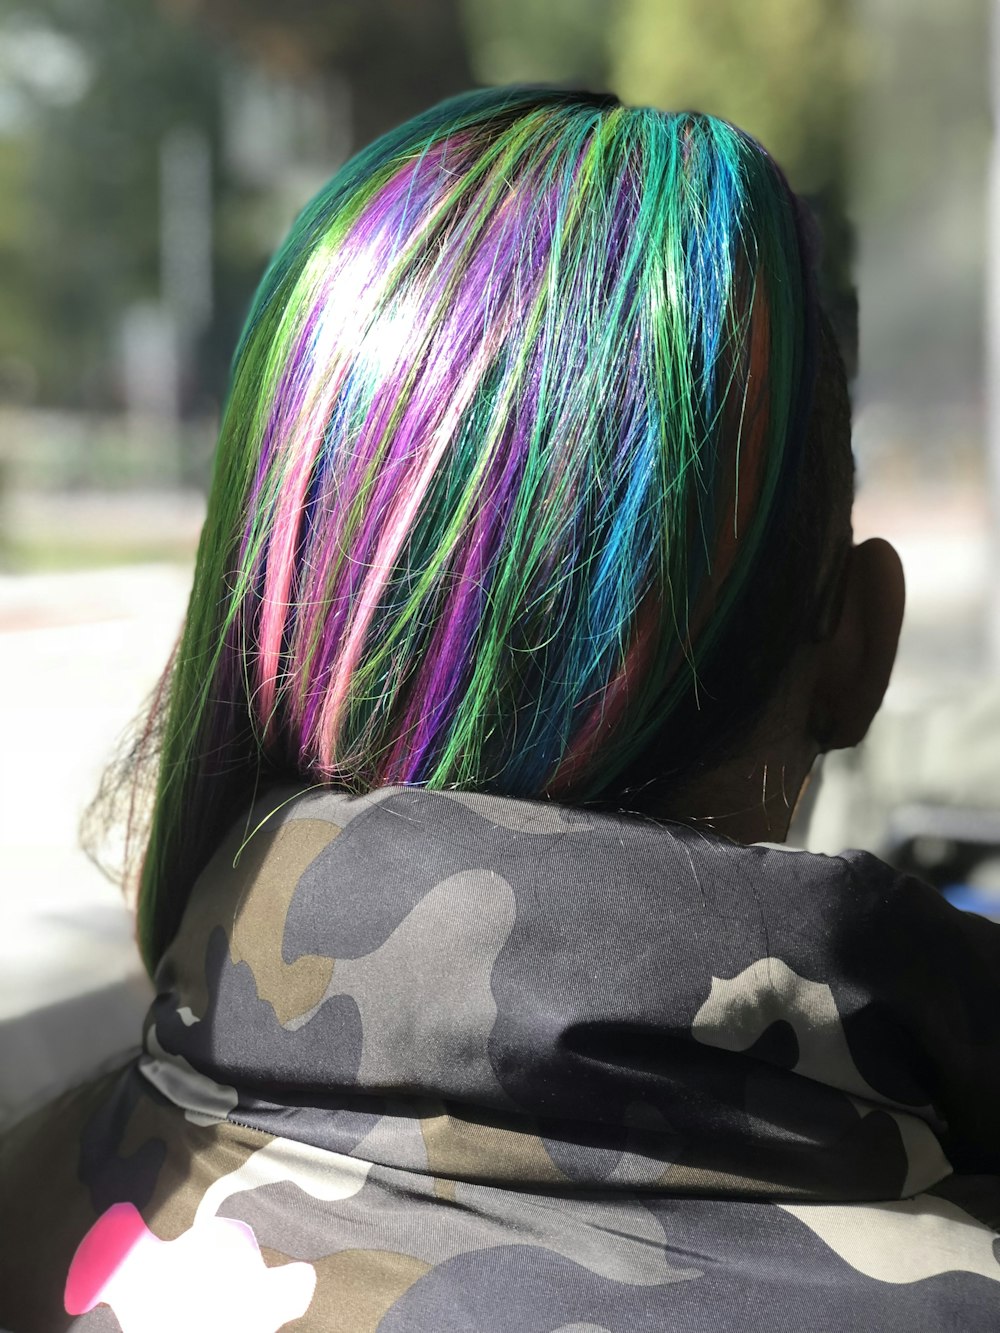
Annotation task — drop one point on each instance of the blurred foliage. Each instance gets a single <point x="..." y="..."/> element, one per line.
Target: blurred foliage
<point x="90" y="89"/>
<point x="786" y="72"/>
<point x="87" y="169"/>
<point x="920" y="190"/>
<point x="928" y="95"/>
<point x="521" y="41"/>
<point x="398" y="55"/>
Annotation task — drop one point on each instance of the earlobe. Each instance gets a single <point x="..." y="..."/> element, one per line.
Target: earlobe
<point x="856" y="660"/>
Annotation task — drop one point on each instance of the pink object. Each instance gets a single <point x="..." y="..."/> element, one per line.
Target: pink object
<point x="209" y="1279"/>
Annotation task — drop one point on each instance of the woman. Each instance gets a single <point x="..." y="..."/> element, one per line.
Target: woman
<point x="525" y="601"/>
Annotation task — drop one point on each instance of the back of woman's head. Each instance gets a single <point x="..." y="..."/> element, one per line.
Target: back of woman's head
<point x="515" y="440"/>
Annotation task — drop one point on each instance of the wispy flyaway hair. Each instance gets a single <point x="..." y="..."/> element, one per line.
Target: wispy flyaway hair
<point x="514" y="409"/>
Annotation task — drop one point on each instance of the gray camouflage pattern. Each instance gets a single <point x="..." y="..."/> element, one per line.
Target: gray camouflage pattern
<point x="447" y="1062"/>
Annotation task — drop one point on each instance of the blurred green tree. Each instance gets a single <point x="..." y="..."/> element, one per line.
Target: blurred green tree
<point x="92" y="90"/>
<point x="398" y="56"/>
<point x="521" y="41"/>
<point x="92" y="87"/>
<point x="787" y="71"/>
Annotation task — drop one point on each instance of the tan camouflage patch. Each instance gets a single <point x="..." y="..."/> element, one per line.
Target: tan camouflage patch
<point x="212" y="905"/>
<point x="470" y="916"/>
<point x="44" y="1208"/>
<point x="196" y="1156"/>
<point x="483" y="1150"/>
<point x="292" y="989"/>
<point x="355" y="1288"/>
<point x="270" y="864"/>
<point x="704" y="1182"/>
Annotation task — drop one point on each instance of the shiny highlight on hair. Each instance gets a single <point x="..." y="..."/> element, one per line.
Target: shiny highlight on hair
<point x="511" y="412"/>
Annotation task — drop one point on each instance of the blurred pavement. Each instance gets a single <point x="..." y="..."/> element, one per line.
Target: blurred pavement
<point x="78" y="654"/>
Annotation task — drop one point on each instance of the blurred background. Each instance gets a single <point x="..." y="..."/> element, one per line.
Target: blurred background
<point x="153" y="153"/>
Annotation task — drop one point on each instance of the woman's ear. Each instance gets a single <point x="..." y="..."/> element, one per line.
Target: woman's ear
<point x="855" y="662"/>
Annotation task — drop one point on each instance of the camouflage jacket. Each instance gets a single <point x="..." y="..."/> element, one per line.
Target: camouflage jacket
<point x="442" y="1063"/>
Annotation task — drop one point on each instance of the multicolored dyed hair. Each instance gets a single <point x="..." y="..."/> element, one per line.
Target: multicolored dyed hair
<point x="516" y="413"/>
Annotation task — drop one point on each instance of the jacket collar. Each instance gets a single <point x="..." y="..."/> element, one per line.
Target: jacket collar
<point x="508" y="990"/>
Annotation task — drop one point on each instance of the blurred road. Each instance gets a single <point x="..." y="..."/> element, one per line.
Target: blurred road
<point x="78" y="654"/>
